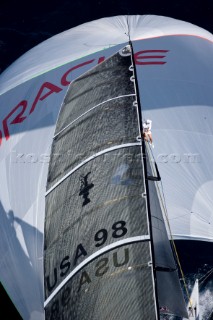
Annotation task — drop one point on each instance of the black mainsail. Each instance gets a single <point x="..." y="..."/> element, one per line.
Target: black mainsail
<point x="105" y="257"/>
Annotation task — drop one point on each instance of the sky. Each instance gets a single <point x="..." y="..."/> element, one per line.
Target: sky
<point x="24" y="24"/>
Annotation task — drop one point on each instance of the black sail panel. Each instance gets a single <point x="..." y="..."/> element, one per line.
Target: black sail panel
<point x="170" y="295"/>
<point x="97" y="256"/>
<point x="117" y="285"/>
<point x="80" y="223"/>
<point x="107" y="81"/>
<point x="95" y="115"/>
<point x="98" y="130"/>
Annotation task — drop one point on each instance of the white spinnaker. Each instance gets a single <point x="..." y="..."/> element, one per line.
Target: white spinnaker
<point x="92" y="37"/>
<point x="176" y="96"/>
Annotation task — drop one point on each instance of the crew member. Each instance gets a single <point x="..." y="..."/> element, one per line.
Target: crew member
<point x="147" y="134"/>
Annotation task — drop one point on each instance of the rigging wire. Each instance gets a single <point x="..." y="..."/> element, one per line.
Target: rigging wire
<point x="163" y="202"/>
<point x="128" y="34"/>
<point x="203" y="278"/>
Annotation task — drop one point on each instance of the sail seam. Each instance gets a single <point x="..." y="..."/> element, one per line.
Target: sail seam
<point x="92" y="257"/>
<point x="83" y="114"/>
<point x="126" y="145"/>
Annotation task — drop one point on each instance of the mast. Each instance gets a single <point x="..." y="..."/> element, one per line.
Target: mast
<point x="144" y="164"/>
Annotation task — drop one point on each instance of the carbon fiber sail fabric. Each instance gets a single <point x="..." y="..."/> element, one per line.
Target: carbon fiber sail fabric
<point x="97" y="244"/>
<point x="170" y="295"/>
<point x="117" y="285"/>
<point x="97" y="130"/>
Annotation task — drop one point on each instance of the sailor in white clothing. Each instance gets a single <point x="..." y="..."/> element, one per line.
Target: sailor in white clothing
<point x="147" y="125"/>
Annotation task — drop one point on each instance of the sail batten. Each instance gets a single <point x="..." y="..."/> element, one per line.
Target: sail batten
<point x="96" y="106"/>
<point x="105" y="151"/>
<point x="113" y="292"/>
<point x="95" y="255"/>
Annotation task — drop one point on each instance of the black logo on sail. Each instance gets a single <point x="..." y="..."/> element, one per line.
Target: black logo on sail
<point x="85" y="188"/>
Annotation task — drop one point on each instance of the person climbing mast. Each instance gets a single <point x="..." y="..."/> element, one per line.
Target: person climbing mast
<point x="147" y="134"/>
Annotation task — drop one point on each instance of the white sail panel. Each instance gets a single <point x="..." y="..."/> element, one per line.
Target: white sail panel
<point x="176" y="93"/>
<point x="92" y="37"/>
<point x="24" y="161"/>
